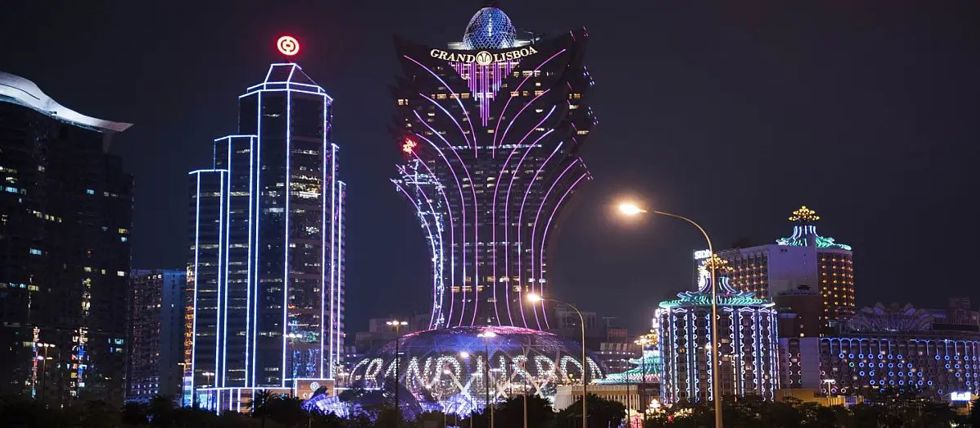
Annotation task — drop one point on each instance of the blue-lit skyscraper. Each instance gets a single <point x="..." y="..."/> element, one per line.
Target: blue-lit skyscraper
<point x="265" y="262"/>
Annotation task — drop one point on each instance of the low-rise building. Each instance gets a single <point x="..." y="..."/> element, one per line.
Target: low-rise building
<point x="886" y="347"/>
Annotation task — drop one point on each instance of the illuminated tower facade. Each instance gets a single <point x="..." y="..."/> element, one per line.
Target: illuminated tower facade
<point x="490" y="128"/>
<point x="265" y="270"/>
<point x="748" y="345"/>
<point x="803" y="259"/>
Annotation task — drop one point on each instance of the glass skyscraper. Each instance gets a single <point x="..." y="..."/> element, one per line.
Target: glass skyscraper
<point x="265" y="266"/>
<point x="490" y="128"/>
<point x="65" y="217"/>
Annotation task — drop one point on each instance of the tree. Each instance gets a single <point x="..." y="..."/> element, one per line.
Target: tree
<point x="133" y="413"/>
<point x="510" y="413"/>
<point x="974" y="418"/>
<point x="286" y="410"/>
<point x="258" y="407"/>
<point x="602" y="413"/>
<point x="160" y="411"/>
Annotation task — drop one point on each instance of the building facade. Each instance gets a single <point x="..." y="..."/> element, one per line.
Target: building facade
<point x="490" y="128"/>
<point x="265" y="263"/>
<point x="747" y="340"/>
<point x="65" y="219"/>
<point x="803" y="258"/>
<point x="155" y="333"/>
<point x="899" y="347"/>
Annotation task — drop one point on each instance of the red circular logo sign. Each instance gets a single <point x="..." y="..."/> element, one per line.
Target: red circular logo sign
<point x="288" y="45"/>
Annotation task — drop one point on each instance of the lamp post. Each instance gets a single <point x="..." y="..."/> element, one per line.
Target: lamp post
<point x="537" y="298"/>
<point x="632" y="209"/>
<point x="466" y="356"/>
<point x="397" y="325"/>
<point x="486" y="336"/>
<point x="643" y="341"/>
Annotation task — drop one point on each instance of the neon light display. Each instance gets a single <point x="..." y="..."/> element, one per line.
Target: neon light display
<point x="287" y="45"/>
<point x="491" y="127"/>
<point x="444" y="369"/>
<point x="749" y="349"/>
<point x="268" y="256"/>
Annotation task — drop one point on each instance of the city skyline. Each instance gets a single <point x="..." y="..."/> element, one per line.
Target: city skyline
<point x="768" y="116"/>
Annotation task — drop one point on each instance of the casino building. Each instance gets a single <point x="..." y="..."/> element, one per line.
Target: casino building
<point x="265" y="266"/>
<point x="889" y="346"/>
<point x="490" y="128"/>
<point x="804" y="258"/>
<point x="748" y="344"/>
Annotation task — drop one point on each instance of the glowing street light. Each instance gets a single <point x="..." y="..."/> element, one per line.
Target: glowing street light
<point x="535" y="298"/>
<point x="397" y="325"/>
<point x="628" y="208"/>
<point x="487" y="336"/>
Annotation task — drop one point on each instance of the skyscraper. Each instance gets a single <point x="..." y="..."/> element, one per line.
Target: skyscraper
<point x="265" y="266"/>
<point x="65" y="219"/>
<point x="490" y="128"/>
<point x="155" y="321"/>
<point x="803" y="259"/>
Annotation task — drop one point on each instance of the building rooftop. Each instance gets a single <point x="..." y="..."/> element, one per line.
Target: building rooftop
<point x="805" y="232"/>
<point x="489" y="28"/>
<point x="18" y="90"/>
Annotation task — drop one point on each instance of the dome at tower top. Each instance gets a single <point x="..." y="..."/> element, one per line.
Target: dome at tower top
<point x="489" y="28"/>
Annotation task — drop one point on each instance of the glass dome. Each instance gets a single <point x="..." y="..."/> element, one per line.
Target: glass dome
<point x="444" y="369"/>
<point x="490" y="28"/>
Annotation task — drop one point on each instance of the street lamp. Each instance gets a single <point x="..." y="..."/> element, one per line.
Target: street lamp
<point x="466" y="356"/>
<point x="633" y="209"/>
<point x="487" y="336"/>
<point x="643" y="341"/>
<point x="535" y="298"/>
<point x="397" y="325"/>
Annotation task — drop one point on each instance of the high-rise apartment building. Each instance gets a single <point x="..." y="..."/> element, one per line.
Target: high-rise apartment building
<point x="265" y="265"/>
<point x="65" y="219"/>
<point x="804" y="258"/>
<point x="155" y="333"/>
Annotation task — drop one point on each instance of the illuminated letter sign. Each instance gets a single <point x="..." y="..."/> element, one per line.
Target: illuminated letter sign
<point x="287" y="45"/>
<point x="483" y="57"/>
<point x="960" y="396"/>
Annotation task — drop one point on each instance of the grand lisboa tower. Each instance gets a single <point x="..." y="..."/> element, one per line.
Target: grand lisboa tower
<point x="490" y="128"/>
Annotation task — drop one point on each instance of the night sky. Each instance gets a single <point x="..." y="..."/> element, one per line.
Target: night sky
<point x="733" y="113"/>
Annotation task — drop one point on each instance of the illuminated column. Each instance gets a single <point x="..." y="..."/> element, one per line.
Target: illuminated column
<point x="206" y="274"/>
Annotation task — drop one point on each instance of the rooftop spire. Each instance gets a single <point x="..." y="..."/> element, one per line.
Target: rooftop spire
<point x="804" y="215"/>
<point x="805" y="232"/>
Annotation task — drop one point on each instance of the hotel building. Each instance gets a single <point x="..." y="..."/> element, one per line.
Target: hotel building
<point x="265" y="261"/>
